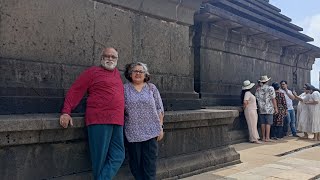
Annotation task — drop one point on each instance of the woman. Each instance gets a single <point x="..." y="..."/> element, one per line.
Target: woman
<point x="277" y="126"/>
<point x="303" y="123"/>
<point x="143" y="121"/>
<point x="314" y="108"/>
<point x="250" y="111"/>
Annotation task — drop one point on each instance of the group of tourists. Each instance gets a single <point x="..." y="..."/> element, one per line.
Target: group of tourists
<point x="274" y="104"/>
<point x="135" y="107"/>
<point x="133" y="113"/>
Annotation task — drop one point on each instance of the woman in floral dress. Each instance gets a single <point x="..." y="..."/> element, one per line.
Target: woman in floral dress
<point x="276" y="129"/>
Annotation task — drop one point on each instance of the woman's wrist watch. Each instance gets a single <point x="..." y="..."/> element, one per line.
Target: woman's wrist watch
<point x="162" y="126"/>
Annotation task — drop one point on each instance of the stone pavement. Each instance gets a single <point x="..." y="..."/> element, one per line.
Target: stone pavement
<point x="289" y="158"/>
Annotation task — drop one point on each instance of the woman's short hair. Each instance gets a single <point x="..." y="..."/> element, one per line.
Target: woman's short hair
<point x="129" y="69"/>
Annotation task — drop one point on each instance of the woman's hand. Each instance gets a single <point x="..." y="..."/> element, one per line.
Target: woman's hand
<point x="294" y="93"/>
<point x="160" y="137"/>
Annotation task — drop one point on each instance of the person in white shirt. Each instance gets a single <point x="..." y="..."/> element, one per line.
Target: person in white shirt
<point x="290" y="118"/>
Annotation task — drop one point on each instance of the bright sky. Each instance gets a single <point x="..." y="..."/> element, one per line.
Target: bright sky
<point x="306" y="14"/>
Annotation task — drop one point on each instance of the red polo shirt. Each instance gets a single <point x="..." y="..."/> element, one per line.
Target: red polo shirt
<point x="105" y="102"/>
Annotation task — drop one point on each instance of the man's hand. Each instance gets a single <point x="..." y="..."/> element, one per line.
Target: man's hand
<point x="65" y="119"/>
<point x="160" y="137"/>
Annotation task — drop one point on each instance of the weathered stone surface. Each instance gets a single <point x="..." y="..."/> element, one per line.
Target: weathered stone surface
<point x="167" y="83"/>
<point x="221" y="54"/>
<point x="180" y="53"/>
<point x="28" y="87"/>
<point x="34" y="122"/>
<point x="108" y="31"/>
<point x="69" y="74"/>
<point x="15" y="73"/>
<point x="163" y="46"/>
<point x="250" y="13"/>
<point x="275" y="16"/>
<point x="176" y="11"/>
<point x="262" y="27"/>
<point x="61" y="39"/>
<point x="48" y="31"/>
<point x="43" y="161"/>
<point x="195" y="141"/>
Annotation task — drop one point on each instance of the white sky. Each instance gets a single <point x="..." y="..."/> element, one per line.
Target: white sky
<point x="306" y="14"/>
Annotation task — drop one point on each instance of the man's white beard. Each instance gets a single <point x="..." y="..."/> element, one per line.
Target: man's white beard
<point x="109" y="65"/>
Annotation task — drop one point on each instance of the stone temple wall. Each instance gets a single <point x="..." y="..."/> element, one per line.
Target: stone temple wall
<point x="46" y="44"/>
<point x="244" y="39"/>
<point x="227" y="58"/>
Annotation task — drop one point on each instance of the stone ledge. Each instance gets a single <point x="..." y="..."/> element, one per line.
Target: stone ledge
<point x="195" y="141"/>
<point x="33" y="122"/>
<point x="45" y="128"/>
<point x="29" y="122"/>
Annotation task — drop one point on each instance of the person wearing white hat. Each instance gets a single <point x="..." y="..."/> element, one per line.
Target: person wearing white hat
<point x="250" y="111"/>
<point x="267" y="106"/>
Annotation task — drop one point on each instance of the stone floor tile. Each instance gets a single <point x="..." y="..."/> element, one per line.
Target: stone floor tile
<point x="308" y="170"/>
<point x="260" y="162"/>
<point x="245" y="166"/>
<point x="265" y="171"/>
<point x="278" y="166"/>
<point x="308" y="154"/>
<point x="204" y="176"/>
<point x="301" y="162"/>
<point x="226" y="172"/>
<point x="246" y="176"/>
<point x="297" y="161"/>
<point x="252" y="157"/>
<point x="293" y="175"/>
<point x="274" y="178"/>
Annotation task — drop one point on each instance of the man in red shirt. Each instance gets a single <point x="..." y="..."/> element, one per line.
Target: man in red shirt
<point x="104" y="113"/>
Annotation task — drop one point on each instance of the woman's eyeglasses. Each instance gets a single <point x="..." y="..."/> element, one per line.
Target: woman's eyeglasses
<point x="138" y="71"/>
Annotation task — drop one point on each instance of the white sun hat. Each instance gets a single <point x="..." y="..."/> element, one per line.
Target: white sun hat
<point x="247" y="85"/>
<point x="264" y="79"/>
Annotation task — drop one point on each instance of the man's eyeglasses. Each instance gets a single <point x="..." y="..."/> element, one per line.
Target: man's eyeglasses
<point x="109" y="57"/>
<point x="137" y="71"/>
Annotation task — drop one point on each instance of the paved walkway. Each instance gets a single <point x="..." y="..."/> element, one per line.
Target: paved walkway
<point x="263" y="162"/>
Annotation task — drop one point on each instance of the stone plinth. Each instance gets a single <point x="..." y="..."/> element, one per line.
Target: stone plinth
<point x="36" y="147"/>
<point x="238" y="130"/>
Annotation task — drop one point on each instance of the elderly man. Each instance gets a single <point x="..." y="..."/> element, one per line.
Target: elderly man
<point x="290" y="118"/>
<point x="104" y="113"/>
<point x="267" y="106"/>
